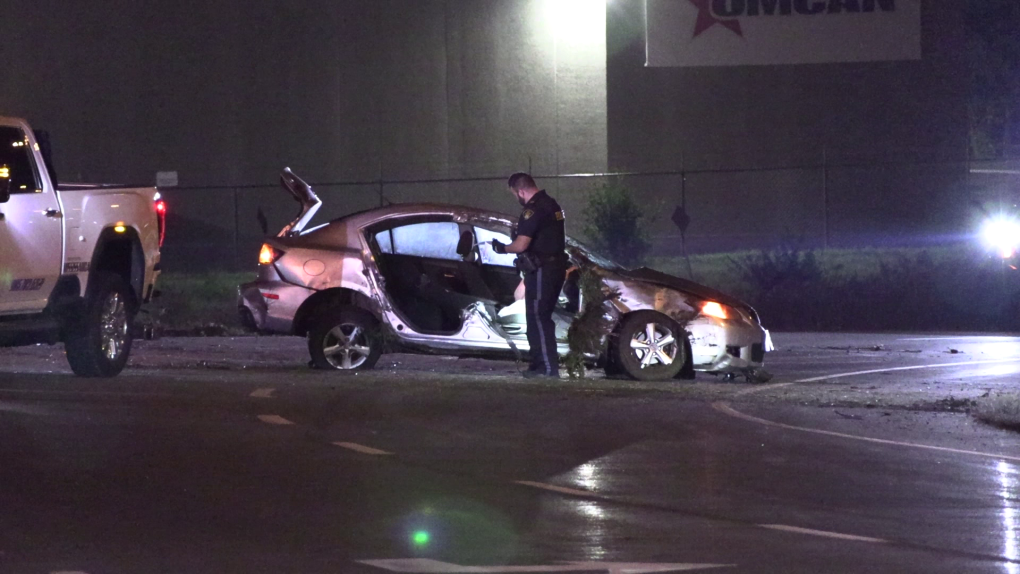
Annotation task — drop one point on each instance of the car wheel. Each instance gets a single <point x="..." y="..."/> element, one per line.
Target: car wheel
<point x="345" y="339"/>
<point x="687" y="372"/>
<point x="247" y="319"/>
<point x="98" y="342"/>
<point x="650" y="346"/>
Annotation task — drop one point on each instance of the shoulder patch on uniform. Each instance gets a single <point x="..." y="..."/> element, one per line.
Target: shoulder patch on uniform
<point x="528" y="213"/>
<point x="559" y="215"/>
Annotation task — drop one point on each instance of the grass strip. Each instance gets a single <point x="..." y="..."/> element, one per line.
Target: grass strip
<point x="1002" y="411"/>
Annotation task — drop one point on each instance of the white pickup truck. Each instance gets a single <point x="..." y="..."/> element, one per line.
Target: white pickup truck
<point x="76" y="261"/>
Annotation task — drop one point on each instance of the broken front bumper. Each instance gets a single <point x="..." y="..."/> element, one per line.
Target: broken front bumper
<point x="728" y="347"/>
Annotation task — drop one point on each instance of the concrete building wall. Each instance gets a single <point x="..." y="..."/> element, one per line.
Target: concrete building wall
<point x="873" y="151"/>
<point x="227" y="93"/>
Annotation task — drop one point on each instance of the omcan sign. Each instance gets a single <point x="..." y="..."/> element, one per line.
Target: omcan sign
<point x="691" y="33"/>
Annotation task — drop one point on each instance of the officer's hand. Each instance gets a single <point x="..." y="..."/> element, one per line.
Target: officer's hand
<point x="498" y="247"/>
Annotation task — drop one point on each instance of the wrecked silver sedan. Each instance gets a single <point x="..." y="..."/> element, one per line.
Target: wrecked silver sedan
<point x="424" y="278"/>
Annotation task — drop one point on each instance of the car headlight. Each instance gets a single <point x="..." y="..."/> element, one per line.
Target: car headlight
<point x="717" y="310"/>
<point x="1001" y="234"/>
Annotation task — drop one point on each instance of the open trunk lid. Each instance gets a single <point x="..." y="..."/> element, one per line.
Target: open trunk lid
<point x="303" y="194"/>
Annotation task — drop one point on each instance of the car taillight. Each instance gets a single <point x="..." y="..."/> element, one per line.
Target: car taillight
<point x="269" y="255"/>
<point x="161" y="220"/>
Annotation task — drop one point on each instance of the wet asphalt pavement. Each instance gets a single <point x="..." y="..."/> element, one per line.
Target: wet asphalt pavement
<point x="229" y="455"/>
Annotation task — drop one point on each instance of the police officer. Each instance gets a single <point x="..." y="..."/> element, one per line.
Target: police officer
<point x="540" y="244"/>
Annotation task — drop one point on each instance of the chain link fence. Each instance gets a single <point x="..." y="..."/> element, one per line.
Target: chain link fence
<point x="914" y="201"/>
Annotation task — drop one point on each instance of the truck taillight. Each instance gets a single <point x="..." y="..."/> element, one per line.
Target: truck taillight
<point x="268" y="255"/>
<point x="161" y="220"/>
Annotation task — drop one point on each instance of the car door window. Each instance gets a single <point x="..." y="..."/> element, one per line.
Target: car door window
<point x="432" y="239"/>
<point x="490" y="257"/>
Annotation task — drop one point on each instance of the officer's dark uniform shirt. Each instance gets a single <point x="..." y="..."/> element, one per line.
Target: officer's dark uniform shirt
<point x="542" y="221"/>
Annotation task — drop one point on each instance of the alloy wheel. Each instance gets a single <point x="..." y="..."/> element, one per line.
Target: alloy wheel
<point x="113" y="326"/>
<point x="346" y="346"/>
<point x="655" y="345"/>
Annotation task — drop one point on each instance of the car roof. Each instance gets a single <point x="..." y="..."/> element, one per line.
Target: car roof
<point x="370" y="216"/>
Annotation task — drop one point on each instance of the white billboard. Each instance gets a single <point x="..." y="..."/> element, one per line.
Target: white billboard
<point x="693" y="33"/>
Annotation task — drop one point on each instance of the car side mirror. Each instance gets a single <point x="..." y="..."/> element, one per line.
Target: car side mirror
<point x="5" y="189"/>
<point x="466" y="244"/>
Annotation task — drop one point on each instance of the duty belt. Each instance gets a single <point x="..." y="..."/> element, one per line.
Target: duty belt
<point x="529" y="262"/>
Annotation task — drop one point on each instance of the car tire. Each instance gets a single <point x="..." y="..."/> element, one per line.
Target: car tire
<point x="650" y="347"/>
<point x="98" y="340"/>
<point x="247" y="319"/>
<point x="345" y="339"/>
<point x="687" y="372"/>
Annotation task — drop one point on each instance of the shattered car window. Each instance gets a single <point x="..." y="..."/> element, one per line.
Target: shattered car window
<point x="490" y="257"/>
<point x="433" y="239"/>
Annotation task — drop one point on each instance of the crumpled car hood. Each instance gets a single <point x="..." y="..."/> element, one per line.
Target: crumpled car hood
<point x="681" y="284"/>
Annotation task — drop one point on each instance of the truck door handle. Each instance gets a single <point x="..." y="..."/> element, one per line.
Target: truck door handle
<point x="52" y="213"/>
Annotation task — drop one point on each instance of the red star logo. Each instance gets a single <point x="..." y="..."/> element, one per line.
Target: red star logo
<point x="706" y="19"/>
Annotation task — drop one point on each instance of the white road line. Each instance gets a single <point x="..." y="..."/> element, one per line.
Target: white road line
<point x="727" y="409"/>
<point x="763" y="388"/>
<point x="430" y="566"/>
<point x="914" y="368"/>
<point x="559" y="489"/>
<point x="274" y="420"/>
<point x="262" y="393"/>
<point x="824" y="533"/>
<point x="362" y="449"/>
<point x="982" y="338"/>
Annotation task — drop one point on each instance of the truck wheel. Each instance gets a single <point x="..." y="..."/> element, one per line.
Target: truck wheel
<point x="650" y="346"/>
<point x="345" y="339"/>
<point x="98" y="342"/>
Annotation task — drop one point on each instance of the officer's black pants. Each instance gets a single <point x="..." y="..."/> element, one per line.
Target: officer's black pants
<point x="541" y="292"/>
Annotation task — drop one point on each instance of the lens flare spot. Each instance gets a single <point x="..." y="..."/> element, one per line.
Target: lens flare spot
<point x="421" y="538"/>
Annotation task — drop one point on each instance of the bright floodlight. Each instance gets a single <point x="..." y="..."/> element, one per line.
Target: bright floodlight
<point x="1002" y="235"/>
<point x="577" y="23"/>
